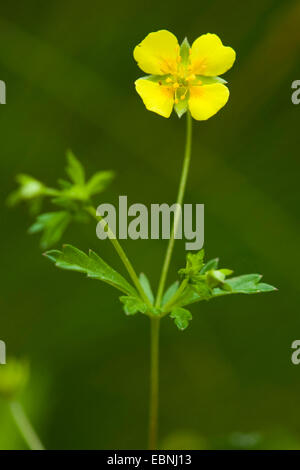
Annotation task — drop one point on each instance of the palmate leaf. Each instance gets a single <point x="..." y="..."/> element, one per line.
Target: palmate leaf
<point x="92" y="265"/>
<point x="245" y="284"/>
<point x="133" y="304"/>
<point x="80" y="189"/>
<point x="181" y="317"/>
<point x="206" y="281"/>
<point x="52" y="225"/>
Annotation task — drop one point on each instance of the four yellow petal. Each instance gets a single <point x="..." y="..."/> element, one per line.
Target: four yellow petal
<point x="209" y="57"/>
<point x="207" y="100"/>
<point x="158" y="53"/>
<point x="156" y="98"/>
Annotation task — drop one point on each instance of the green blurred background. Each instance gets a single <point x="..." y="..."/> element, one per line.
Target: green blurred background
<point x="228" y="380"/>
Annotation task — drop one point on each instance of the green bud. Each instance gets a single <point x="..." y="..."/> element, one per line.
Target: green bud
<point x="29" y="188"/>
<point x="13" y="377"/>
<point x="215" y="278"/>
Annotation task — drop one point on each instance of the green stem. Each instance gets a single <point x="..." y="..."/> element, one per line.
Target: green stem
<point x="122" y="255"/>
<point x="182" y="185"/>
<point x="25" y="426"/>
<point x="155" y="322"/>
<point x="154" y="383"/>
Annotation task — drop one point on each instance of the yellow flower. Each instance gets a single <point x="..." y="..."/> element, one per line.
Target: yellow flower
<point x="182" y="76"/>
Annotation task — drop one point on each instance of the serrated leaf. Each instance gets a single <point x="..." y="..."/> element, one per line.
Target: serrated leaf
<point x="53" y="255"/>
<point x="53" y="225"/>
<point x="263" y="287"/>
<point x="194" y="264"/>
<point x="133" y="304"/>
<point x="74" y="169"/>
<point x="92" y="265"/>
<point x="99" y="181"/>
<point x="245" y="284"/>
<point x="146" y="287"/>
<point x="170" y="292"/>
<point x="181" y="317"/>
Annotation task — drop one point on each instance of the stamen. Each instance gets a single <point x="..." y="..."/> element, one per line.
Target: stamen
<point x="169" y="80"/>
<point x="176" y="85"/>
<point x="191" y="77"/>
<point x="184" y="95"/>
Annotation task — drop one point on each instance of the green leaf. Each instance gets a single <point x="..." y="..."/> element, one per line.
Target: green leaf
<point x="64" y="184"/>
<point x="263" y="287"/>
<point x="133" y="304"/>
<point x="181" y="317"/>
<point x="146" y="287"/>
<point x="53" y="225"/>
<point x="170" y="292"/>
<point x="99" y="181"/>
<point x="74" y="169"/>
<point x="245" y="284"/>
<point x="53" y="255"/>
<point x="189" y="296"/>
<point x="212" y="264"/>
<point x="29" y="189"/>
<point x="203" y="290"/>
<point x="194" y="264"/>
<point x="92" y="265"/>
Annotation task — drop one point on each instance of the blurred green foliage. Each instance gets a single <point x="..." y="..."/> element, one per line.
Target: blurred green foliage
<point x="69" y="73"/>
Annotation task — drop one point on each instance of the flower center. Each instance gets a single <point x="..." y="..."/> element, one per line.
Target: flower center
<point x="181" y="81"/>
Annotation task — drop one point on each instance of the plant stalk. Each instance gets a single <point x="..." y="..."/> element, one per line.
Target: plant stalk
<point x="155" y="322"/>
<point x="181" y="190"/>
<point x="117" y="246"/>
<point x="25" y="427"/>
<point x="154" y="383"/>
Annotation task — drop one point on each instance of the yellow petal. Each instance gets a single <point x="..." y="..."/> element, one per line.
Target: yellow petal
<point x="209" y="57"/>
<point x="156" y="97"/>
<point x="157" y="54"/>
<point x="206" y="100"/>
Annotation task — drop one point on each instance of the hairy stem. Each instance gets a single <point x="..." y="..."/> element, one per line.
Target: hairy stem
<point x="25" y="427"/>
<point x="181" y="190"/>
